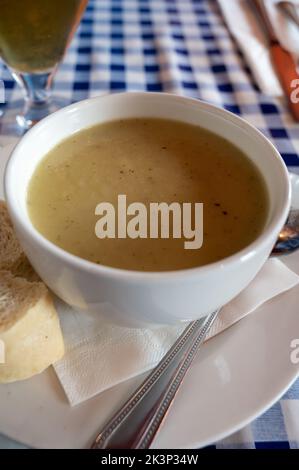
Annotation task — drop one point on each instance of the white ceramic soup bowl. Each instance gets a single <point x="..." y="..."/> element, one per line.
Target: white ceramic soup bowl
<point x="138" y="298"/>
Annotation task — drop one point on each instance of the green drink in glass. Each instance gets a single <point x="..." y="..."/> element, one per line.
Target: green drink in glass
<point x="34" y="35"/>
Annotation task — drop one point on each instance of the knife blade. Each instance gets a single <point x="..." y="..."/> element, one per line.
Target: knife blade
<point x="282" y="60"/>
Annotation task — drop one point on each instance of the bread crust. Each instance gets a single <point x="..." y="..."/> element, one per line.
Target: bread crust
<point x="29" y="324"/>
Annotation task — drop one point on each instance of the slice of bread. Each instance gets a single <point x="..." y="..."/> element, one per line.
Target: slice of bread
<point x="29" y="328"/>
<point x="10" y="248"/>
<point x="30" y="334"/>
<point x="12" y="257"/>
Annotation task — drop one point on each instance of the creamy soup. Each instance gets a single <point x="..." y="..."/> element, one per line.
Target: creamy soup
<point x="148" y="160"/>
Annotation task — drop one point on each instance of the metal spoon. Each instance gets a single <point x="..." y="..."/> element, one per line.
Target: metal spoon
<point x="288" y="239"/>
<point x="137" y="422"/>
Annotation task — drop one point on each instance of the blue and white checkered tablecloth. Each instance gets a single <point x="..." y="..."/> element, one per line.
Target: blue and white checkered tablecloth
<point x="179" y="46"/>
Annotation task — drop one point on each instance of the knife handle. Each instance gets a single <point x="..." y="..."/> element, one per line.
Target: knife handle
<point x="136" y="423"/>
<point x="287" y="73"/>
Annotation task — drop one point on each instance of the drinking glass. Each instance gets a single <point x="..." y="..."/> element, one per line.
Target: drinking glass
<point x="34" y="35"/>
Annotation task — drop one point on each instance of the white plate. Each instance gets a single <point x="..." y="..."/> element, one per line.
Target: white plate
<point x="237" y="376"/>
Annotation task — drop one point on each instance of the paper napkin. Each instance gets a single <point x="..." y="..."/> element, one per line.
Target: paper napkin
<point x="100" y="355"/>
<point x="245" y="27"/>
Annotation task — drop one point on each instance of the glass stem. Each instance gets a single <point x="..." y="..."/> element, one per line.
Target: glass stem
<point x="37" y="92"/>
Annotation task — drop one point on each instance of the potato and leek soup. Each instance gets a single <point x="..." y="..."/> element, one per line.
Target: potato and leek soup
<point x="148" y="160"/>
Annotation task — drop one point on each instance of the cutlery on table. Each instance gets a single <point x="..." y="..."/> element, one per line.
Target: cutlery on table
<point x="135" y="425"/>
<point x="137" y="422"/>
<point x="282" y="59"/>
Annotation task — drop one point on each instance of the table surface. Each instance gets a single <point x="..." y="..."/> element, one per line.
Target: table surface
<point x="184" y="47"/>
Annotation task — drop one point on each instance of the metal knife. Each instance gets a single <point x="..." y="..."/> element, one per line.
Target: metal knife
<point x="282" y="60"/>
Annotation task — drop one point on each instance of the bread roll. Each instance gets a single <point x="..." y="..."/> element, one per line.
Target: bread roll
<point x="30" y="334"/>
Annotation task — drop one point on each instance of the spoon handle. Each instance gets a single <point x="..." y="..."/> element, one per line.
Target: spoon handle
<point x="135" y="425"/>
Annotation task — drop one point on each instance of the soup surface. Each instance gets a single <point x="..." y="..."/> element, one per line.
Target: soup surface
<point x="148" y="160"/>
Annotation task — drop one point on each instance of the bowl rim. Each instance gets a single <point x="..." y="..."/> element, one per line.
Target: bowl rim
<point x="109" y="271"/>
